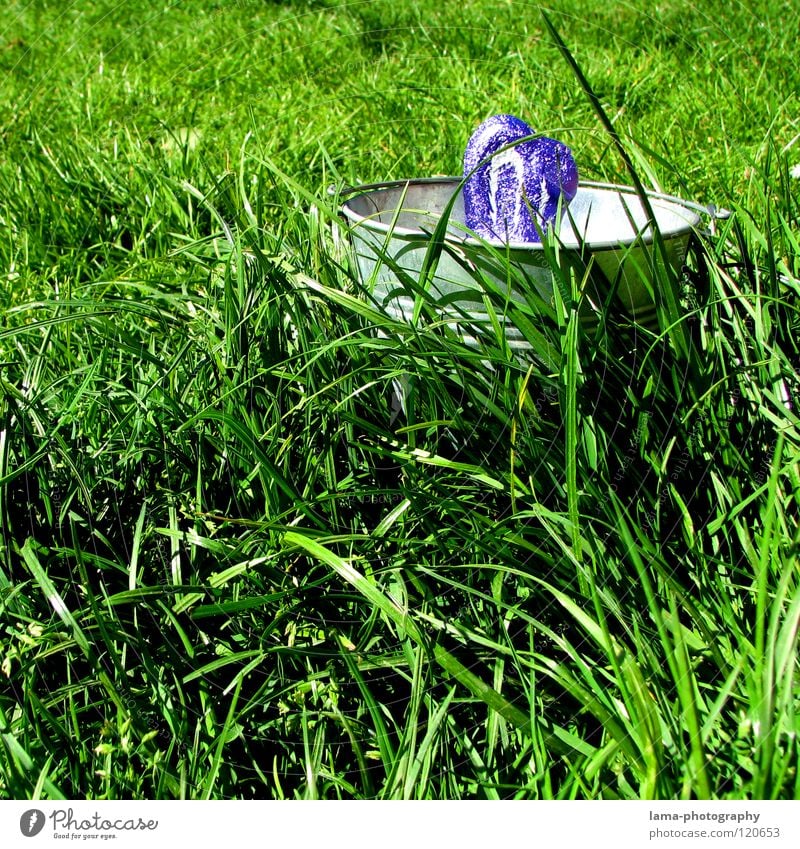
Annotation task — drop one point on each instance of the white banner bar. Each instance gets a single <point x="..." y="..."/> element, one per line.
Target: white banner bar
<point x="419" y="825"/>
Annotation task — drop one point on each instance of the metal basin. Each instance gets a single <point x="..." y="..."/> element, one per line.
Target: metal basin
<point x="392" y="223"/>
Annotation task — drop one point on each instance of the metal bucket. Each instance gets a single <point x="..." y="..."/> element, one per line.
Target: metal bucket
<point x="391" y="226"/>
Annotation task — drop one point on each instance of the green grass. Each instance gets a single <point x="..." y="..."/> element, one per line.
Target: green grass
<point x="230" y="570"/>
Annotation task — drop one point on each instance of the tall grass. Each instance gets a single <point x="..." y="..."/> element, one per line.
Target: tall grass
<point x="232" y="568"/>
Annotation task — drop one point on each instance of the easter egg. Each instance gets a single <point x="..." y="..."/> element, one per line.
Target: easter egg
<point x="513" y="188"/>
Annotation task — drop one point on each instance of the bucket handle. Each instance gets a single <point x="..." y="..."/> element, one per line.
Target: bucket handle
<point x="712" y="211"/>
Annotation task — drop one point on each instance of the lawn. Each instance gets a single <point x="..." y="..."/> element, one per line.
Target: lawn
<point x="230" y="569"/>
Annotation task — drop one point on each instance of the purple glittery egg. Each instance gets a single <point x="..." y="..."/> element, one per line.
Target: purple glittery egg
<point x="530" y="177"/>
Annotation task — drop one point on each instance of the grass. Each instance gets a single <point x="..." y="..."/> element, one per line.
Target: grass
<point x="231" y="570"/>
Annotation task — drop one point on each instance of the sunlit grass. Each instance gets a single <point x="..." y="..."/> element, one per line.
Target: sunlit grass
<point x="232" y="568"/>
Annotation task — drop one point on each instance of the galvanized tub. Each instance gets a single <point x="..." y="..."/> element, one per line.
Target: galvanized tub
<point x="391" y="226"/>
